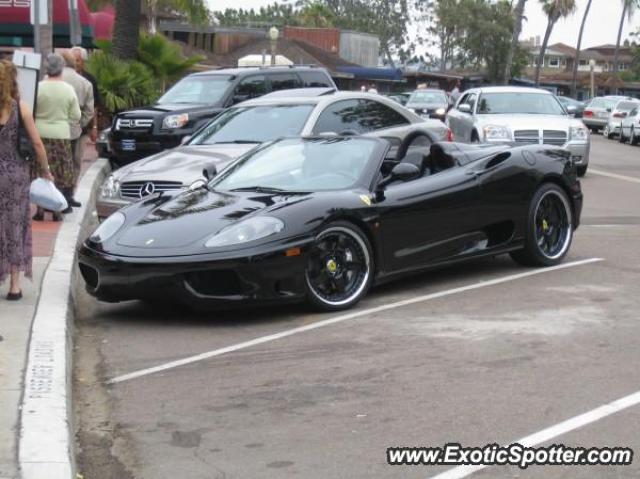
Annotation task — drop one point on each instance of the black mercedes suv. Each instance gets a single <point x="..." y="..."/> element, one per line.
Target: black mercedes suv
<point x="195" y="100"/>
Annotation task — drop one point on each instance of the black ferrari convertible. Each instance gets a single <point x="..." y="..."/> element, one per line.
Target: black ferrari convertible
<point x="324" y="219"/>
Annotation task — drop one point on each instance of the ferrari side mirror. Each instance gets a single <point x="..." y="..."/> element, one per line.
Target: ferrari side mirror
<point x="401" y="172"/>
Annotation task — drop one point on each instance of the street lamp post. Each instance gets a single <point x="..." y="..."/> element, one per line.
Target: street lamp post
<point x="592" y="66"/>
<point x="273" y="36"/>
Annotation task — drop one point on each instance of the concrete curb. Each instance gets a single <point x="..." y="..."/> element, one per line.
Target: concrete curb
<point x="46" y="443"/>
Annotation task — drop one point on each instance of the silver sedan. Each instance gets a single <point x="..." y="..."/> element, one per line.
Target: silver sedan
<point x="248" y="124"/>
<point x="519" y="115"/>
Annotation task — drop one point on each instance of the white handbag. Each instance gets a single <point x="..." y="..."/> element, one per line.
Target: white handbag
<point x="44" y="194"/>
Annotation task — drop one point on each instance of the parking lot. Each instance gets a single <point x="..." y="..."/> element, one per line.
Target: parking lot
<point x="487" y="352"/>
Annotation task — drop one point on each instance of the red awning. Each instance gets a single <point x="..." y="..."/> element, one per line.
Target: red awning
<point x="102" y="22"/>
<point x="16" y="29"/>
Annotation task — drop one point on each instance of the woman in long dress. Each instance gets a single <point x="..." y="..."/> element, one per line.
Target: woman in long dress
<point x="15" y="179"/>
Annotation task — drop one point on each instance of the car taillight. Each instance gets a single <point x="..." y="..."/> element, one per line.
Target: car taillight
<point x="618" y="115"/>
<point x="449" y="135"/>
<point x="587" y="113"/>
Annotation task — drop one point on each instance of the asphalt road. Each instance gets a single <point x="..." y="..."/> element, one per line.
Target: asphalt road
<point x="489" y="363"/>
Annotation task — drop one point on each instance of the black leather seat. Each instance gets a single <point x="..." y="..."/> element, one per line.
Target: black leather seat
<point x="439" y="160"/>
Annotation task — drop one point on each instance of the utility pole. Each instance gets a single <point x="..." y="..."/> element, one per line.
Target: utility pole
<point x="75" y="29"/>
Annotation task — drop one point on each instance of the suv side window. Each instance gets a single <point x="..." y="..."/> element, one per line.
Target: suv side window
<point x="283" y="81"/>
<point x="314" y="79"/>
<point x="361" y="116"/>
<point x="251" y="87"/>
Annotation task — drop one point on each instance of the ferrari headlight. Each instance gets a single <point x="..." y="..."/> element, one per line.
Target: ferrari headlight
<point x="440" y="111"/>
<point x="175" y="121"/>
<point x="497" y="133"/>
<point x="579" y="133"/>
<point x="245" y="231"/>
<point x="110" y="187"/>
<point x="108" y="228"/>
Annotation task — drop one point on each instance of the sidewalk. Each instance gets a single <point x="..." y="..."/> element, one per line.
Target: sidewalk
<point x="15" y="327"/>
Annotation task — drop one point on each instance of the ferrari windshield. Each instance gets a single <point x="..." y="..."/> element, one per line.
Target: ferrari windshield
<point x="254" y="124"/>
<point x="519" y="103"/>
<point x="198" y="89"/>
<point x="300" y="164"/>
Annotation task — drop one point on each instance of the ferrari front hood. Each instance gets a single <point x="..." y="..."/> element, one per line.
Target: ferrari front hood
<point x="187" y="220"/>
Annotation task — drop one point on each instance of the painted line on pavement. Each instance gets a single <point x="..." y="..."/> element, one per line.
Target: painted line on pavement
<point x="632" y="179"/>
<point x="554" y="431"/>
<point x="342" y="318"/>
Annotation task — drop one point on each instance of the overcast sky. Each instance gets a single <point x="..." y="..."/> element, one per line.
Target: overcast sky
<point x="602" y="25"/>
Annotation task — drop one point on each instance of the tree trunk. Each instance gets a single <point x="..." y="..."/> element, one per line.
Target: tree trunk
<point x="387" y="52"/>
<point x="46" y="32"/>
<point x="126" y="29"/>
<point x="617" y="53"/>
<point x="550" y="24"/>
<point x="576" y="61"/>
<point x="518" y="13"/>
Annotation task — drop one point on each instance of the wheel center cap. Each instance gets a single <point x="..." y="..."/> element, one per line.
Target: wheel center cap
<point x="545" y="225"/>
<point x="332" y="266"/>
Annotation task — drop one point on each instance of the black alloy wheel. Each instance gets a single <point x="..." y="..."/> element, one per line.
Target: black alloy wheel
<point x="549" y="228"/>
<point x="339" y="267"/>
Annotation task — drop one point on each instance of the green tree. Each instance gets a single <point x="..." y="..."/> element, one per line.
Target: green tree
<point x="555" y="10"/>
<point x="576" y="61"/>
<point x="518" y="15"/>
<point x="315" y="14"/>
<point x="164" y="59"/>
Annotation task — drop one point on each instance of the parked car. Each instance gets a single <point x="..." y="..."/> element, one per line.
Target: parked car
<point x="618" y="113"/>
<point x="401" y="98"/>
<point x="102" y="144"/>
<point x="244" y="126"/>
<point x="195" y="100"/>
<point x="429" y="103"/>
<point x="323" y="219"/>
<point x="596" y="112"/>
<point x="630" y="127"/>
<point x="573" y="107"/>
<point x="520" y="115"/>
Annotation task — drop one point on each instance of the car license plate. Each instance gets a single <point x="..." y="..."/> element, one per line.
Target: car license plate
<point x="128" y="145"/>
<point x="603" y="114"/>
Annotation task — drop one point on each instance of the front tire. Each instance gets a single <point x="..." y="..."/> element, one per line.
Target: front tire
<point x="582" y="170"/>
<point x="622" y="138"/>
<point x="340" y="267"/>
<point x="549" y="229"/>
<point x="633" y="139"/>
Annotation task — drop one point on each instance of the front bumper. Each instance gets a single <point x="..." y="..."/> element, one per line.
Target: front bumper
<point x="200" y="281"/>
<point x="580" y="152"/>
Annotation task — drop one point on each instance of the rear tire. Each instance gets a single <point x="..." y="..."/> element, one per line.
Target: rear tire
<point x="549" y="228"/>
<point x="607" y="133"/>
<point x="340" y="267"/>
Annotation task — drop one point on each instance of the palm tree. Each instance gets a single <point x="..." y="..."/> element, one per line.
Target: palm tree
<point x="555" y="10"/>
<point x="126" y="29"/>
<point x="576" y="61"/>
<point x="315" y="14"/>
<point x="628" y="7"/>
<point x="518" y="14"/>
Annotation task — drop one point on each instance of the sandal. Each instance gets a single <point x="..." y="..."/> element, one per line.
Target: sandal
<point x="14" y="296"/>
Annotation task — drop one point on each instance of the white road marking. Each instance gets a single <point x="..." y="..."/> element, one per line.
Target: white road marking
<point x="342" y="318"/>
<point x="554" y="431"/>
<point x="632" y="179"/>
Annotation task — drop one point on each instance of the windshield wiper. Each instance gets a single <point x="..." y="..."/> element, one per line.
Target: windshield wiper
<point x="260" y="189"/>
<point x="238" y="142"/>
